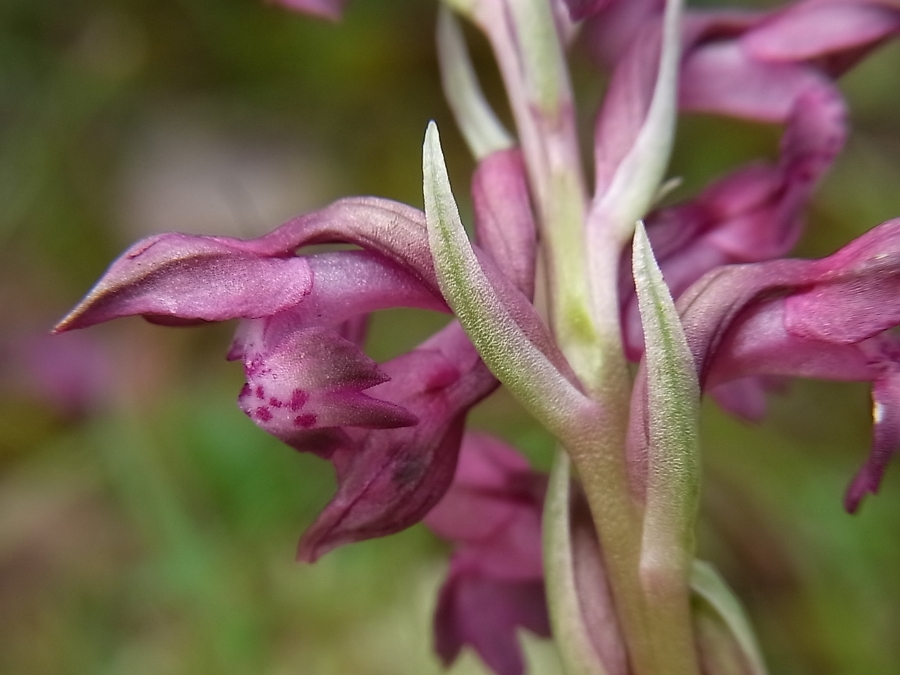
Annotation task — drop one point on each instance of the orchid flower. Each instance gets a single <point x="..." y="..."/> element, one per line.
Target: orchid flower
<point x="392" y="431"/>
<point x="755" y="213"/>
<point x="560" y="286"/>
<point x="827" y="319"/>
<point x="492" y="514"/>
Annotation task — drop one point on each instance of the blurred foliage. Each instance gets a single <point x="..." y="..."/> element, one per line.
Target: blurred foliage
<point x="146" y="526"/>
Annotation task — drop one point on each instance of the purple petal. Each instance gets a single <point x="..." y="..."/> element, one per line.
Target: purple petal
<point x="823" y="319"/>
<point x="355" y="329"/>
<point x="389" y="479"/>
<point x="754" y="214"/>
<point x="177" y="276"/>
<point x="626" y="103"/>
<point x="180" y="278"/>
<point x="389" y="229"/>
<point x="583" y="9"/>
<point x="614" y="27"/>
<point x="486" y="613"/>
<point x="723" y="78"/>
<point x="347" y="285"/>
<point x="744" y="398"/>
<point x="492" y="513"/>
<point x="855" y="296"/>
<point x="811" y="30"/>
<point x="886" y="437"/>
<point x="504" y="222"/>
<point x="493" y="510"/>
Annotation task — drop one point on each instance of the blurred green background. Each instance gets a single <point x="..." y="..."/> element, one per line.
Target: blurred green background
<point x="146" y="526"/>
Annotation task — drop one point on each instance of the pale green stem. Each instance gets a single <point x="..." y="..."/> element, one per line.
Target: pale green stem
<point x="544" y="115"/>
<point x="534" y="70"/>
<point x="583" y="306"/>
<point x="602" y="467"/>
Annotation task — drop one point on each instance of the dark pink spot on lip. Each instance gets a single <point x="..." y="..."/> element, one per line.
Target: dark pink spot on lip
<point x="305" y="421"/>
<point x="298" y="399"/>
<point x="263" y="414"/>
<point x="276" y="403"/>
<point x="245" y="391"/>
<point x="442" y="378"/>
<point x="254" y="366"/>
<point x="260" y="392"/>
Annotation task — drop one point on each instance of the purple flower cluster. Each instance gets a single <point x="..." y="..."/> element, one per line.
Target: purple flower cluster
<point x="395" y="431"/>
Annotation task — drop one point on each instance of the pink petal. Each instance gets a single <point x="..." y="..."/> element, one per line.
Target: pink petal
<point x="855" y="296"/>
<point x="885" y="441"/>
<point x="389" y="479"/>
<point x="751" y="215"/>
<point x="810" y="30"/>
<point x="823" y="319"/>
<point x="626" y="102"/>
<point x="486" y="614"/>
<point x="188" y="277"/>
<point x="389" y="229"/>
<point x="492" y="513"/>
<point x="493" y="510"/>
<point x="722" y="78"/>
<point x="744" y="397"/>
<point x="504" y="223"/>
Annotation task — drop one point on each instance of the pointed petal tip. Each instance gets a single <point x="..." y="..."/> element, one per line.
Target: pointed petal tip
<point x="323" y="536"/>
<point x="863" y="484"/>
<point x="307" y="554"/>
<point x="852" y="500"/>
<point x="64" y="325"/>
<point x="72" y="320"/>
<point x="316" y="542"/>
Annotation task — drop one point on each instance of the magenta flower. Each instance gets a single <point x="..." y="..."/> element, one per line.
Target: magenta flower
<point x="306" y="382"/>
<point x="492" y="513"/>
<point x="827" y="319"/>
<point x="546" y="302"/>
<point x="775" y="67"/>
<point x="392" y="430"/>
<point x="733" y="66"/>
